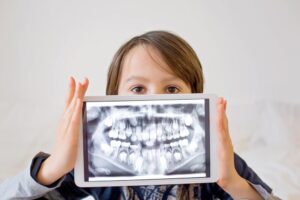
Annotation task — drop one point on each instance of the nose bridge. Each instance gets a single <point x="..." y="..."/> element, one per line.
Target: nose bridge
<point x="155" y="88"/>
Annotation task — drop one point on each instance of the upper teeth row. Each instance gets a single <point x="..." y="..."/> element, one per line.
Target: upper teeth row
<point x="147" y="134"/>
<point x="186" y="119"/>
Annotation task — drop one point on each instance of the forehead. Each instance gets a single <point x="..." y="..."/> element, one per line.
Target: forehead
<point x="145" y="60"/>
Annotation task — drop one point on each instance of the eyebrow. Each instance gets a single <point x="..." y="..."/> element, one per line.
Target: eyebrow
<point x="136" y="77"/>
<point x="142" y="78"/>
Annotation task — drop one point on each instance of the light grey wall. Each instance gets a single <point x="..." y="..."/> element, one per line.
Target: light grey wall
<point x="249" y="51"/>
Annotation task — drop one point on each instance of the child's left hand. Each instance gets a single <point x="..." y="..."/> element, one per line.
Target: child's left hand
<point x="229" y="179"/>
<point x="228" y="174"/>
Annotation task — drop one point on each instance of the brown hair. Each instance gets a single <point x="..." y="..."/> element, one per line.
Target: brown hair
<point x="175" y="51"/>
<point x="178" y="55"/>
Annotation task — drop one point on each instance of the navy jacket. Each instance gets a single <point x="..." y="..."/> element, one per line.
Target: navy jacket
<point x="209" y="191"/>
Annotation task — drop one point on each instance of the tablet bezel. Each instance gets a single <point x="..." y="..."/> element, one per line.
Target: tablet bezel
<point x="214" y="170"/>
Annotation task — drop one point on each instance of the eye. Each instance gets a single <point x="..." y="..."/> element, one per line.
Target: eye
<point x="137" y="89"/>
<point x="172" y="90"/>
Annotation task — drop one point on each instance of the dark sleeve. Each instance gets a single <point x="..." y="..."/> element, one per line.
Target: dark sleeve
<point x="36" y="165"/>
<point x="247" y="173"/>
<point x="211" y="190"/>
<point x="66" y="186"/>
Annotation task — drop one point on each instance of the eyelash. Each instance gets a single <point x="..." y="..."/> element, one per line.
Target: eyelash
<point x="135" y="88"/>
<point x="170" y="86"/>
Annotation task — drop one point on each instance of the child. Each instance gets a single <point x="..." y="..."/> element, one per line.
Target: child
<point x="156" y="62"/>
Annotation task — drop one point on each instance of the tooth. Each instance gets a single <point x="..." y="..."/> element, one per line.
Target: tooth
<point x="111" y="134"/>
<point x="133" y="138"/>
<point x="183" y="142"/>
<point x="177" y="156"/>
<point x="200" y="110"/>
<point x="163" y="164"/>
<point x="145" y="136"/>
<point x="118" y="143"/>
<point x="134" y="147"/>
<point x="122" y="125"/>
<point x="159" y="139"/>
<point x="122" y="135"/>
<point x="128" y="132"/>
<point x="159" y="132"/>
<point x="113" y="143"/>
<point x="148" y="154"/>
<point x="152" y="127"/>
<point x="167" y="125"/>
<point x="176" y="135"/>
<point x="138" y="164"/>
<point x="93" y="113"/>
<point x="188" y="120"/>
<point x="123" y="156"/>
<point x="168" y="156"/>
<point x="106" y="149"/>
<point x="140" y="137"/>
<point x="133" y="121"/>
<point x="180" y="143"/>
<point x="153" y="154"/>
<point x="175" y="125"/>
<point x="168" y="128"/>
<point x="150" y="143"/>
<point x="201" y="133"/>
<point x="108" y="122"/>
<point x="170" y="136"/>
<point x="153" y="135"/>
<point x="172" y="144"/>
<point x="184" y="132"/>
<point x="192" y="147"/>
<point x="132" y="158"/>
<point x="115" y="134"/>
<point x="125" y="144"/>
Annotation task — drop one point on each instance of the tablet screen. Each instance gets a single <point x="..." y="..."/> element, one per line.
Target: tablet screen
<point x="144" y="140"/>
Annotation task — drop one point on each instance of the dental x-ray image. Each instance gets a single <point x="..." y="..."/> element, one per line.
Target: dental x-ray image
<point x="145" y="139"/>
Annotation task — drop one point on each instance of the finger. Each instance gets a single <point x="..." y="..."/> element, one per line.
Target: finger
<point x="85" y="84"/>
<point x="69" y="112"/>
<point x="75" y="121"/>
<point x="70" y="92"/>
<point x="220" y="111"/>
<point x="80" y="92"/>
<point x="82" y="87"/>
<point x="222" y="122"/>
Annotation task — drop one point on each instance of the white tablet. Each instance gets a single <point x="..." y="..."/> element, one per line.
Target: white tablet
<point x="147" y="140"/>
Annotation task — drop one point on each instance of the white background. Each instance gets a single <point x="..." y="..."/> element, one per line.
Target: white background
<point x="249" y="51"/>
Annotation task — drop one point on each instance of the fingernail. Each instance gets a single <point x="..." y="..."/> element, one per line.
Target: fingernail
<point x="85" y="79"/>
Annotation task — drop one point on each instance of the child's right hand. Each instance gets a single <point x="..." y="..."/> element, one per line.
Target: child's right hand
<point x="63" y="157"/>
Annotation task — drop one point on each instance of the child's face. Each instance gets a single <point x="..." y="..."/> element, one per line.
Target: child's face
<point x="144" y="72"/>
